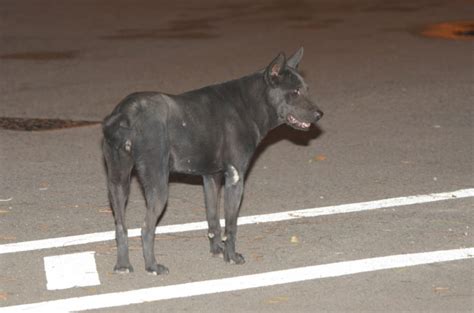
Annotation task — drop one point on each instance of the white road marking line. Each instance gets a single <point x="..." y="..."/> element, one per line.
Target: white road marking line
<point x="244" y="220"/>
<point x="71" y="270"/>
<point x="300" y="274"/>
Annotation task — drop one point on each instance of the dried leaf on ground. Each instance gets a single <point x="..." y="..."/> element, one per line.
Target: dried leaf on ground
<point x="3" y="296"/>
<point x="105" y="210"/>
<point x="257" y="257"/>
<point x="295" y="239"/>
<point x="43" y="227"/>
<point x="320" y="157"/>
<point x="439" y="289"/>
<point x="277" y="299"/>
<point x="8" y="238"/>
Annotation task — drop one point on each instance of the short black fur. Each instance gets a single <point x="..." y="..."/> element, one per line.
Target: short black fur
<point x="212" y="132"/>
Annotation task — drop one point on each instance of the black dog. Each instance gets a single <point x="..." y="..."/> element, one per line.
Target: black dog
<point x="212" y="132"/>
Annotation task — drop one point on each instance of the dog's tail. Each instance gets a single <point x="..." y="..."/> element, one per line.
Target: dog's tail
<point x="118" y="132"/>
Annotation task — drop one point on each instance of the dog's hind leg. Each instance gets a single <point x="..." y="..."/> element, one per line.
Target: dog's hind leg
<point x="212" y="188"/>
<point x="119" y="167"/>
<point x="153" y="172"/>
<point x="234" y="188"/>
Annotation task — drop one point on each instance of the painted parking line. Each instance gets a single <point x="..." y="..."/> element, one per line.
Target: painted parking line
<point x="71" y="270"/>
<point x="244" y="220"/>
<point x="242" y="282"/>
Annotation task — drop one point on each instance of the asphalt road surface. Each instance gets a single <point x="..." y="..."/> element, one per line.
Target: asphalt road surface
<point x="398" y="123"/>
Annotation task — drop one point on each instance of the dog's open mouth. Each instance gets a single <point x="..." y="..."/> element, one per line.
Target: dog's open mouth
<point x="294" y="122"/>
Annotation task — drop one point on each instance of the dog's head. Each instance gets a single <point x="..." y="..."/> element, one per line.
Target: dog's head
<point x="288" y="93"/>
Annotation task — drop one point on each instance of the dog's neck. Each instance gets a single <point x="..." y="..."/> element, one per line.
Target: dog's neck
<point x="253" y="94"/>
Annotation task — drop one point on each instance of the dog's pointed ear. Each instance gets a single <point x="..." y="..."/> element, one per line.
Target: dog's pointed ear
<point x="295" y="59"/>
<point x="274" y="70"/>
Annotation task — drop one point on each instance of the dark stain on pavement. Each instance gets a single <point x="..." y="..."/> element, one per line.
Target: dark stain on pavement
<point x="284" y="10"/>
<point x="200" y="28"/>
<point x="295" y="14"/>
<point x="396" y="6"/>
<point x="40" y="55"/>
<point x="318" y="24"/>
<point x="40" y="124"/>
<point x="201" y="21"/>
<point x="402" y="8"/>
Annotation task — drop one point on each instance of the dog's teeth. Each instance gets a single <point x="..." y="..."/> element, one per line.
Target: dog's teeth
<point x="300" y="124"/>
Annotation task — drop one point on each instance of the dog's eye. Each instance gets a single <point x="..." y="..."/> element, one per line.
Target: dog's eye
<point x="296" y="92"/>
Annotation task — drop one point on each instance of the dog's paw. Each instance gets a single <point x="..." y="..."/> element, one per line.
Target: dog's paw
<point x="123" y="269"/>
<point x="157" y="269"/>
<point x="235" y="258"/>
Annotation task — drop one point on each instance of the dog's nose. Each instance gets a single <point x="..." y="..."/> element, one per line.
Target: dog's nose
<point x="318" y="114"/>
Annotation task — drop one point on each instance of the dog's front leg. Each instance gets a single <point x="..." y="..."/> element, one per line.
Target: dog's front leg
<point x="232" y="199"/>
<point x="212" y="187"/>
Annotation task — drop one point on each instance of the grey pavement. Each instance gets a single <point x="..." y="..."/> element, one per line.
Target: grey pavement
<point x="398" y="121"/>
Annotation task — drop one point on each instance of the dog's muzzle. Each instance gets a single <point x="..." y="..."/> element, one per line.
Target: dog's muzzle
<point x="298" y="124"/>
